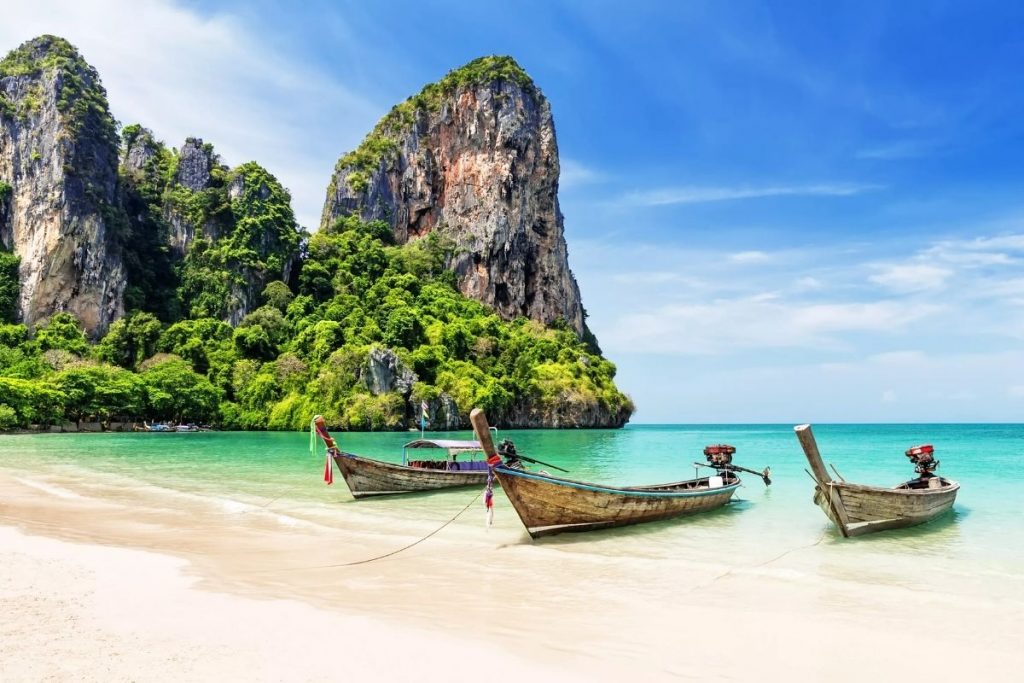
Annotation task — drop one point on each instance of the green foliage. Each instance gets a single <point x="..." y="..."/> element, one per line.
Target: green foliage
<point x="259" y="237"/>
<point x="278" y="295"/>
<point x="62" y="331"/>
<point x="308" y="351"/>
<point x="101" y="392"/>
<point x="174" y="389"/>
<point x="9" y="285"/>
<point x="130" y="340"/>
<point x="31" y="402"/>
<point x="152" y="280"/>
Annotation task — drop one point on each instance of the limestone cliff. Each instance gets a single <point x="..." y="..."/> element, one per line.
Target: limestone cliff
<point x="474" y="158"/>
<point x="58" y="154"/>
<point x="227" y="232"/>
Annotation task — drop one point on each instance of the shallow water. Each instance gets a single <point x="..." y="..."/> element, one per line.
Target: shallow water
<point x="274" y="474"/>
<point x="251" y="515"/>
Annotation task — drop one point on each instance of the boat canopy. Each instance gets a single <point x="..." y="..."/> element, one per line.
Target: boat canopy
<point x="447" y="444"/>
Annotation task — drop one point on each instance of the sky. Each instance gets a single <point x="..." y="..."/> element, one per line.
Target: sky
<point x="777" y="212"/>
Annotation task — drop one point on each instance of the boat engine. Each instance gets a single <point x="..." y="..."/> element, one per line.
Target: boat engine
<point x="719" y="455"/>
<point x="923" y="458"/>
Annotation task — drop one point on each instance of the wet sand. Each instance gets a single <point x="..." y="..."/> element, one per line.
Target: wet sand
<point x="117" y="582"/>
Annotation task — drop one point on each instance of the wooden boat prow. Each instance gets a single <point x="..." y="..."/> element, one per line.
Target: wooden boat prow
<point x="857" y="509"/>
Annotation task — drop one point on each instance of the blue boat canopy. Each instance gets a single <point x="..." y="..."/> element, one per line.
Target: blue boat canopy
<point x="445" y="443"/>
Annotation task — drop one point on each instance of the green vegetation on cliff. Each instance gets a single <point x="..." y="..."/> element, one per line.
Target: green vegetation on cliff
<point x="312" y="350"/>
<point x="382" y="142"/>
<point x="237" y="317"/>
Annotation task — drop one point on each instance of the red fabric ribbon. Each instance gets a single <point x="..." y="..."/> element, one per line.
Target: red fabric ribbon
<point x="328" y="470"/>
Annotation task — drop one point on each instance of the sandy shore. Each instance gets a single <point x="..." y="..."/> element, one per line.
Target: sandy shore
<point x="98" y="585"/>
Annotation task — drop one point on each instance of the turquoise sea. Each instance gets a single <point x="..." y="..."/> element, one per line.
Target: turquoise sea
<point x="978" y="546"/>
<point x="254" y="468"/>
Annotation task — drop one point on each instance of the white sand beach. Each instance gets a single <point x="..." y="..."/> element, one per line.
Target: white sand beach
<point x="103" y="588"/>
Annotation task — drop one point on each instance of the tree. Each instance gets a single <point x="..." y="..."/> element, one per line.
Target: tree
<point x="62" y="332"/>
<point x="176" y="391"/>
<point x="131" y="340"/>
<point x="9" y="285"/>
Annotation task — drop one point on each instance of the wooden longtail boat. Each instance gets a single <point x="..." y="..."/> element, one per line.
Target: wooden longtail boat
<point x="460" y="464"/>
<point x="857" y="509"/>
<point x="550" y="505"/>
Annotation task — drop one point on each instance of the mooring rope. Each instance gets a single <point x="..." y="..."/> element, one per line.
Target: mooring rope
<point x="761" y="564"/>
<point x="385" y="555"/>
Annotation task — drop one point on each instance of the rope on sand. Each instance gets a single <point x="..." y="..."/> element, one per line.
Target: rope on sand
<point x="381" y="557"/>
<point x="762" y="564"/>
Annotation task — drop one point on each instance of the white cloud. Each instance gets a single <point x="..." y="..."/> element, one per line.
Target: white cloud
<point x="759" y="321"/>
<point x="696" y="194"/>
<point x="888" y="396"/>
<point x="911" y="277"/>
<point x="180" y="73"/>
<point x="808" y="283"/>
<point x="749" y="257"/>
<point x="574" y="174"/>
<point x="1016" y="391"/>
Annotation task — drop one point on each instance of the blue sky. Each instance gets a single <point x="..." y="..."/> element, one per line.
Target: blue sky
<point x="777" y="212"/>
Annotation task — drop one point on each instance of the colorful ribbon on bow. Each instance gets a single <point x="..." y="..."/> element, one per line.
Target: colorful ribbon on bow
<point x="492" y="462"/>
<point x="319" y="427"/>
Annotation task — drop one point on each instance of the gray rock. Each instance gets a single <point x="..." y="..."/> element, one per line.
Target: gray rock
<point x="384" y="373"/>
<point x="135" y="156"/>
<point x="195" y="162"/>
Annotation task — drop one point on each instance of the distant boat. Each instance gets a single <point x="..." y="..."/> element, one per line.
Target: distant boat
<point x="551" y="505"/>
<point x="856" y="509"/>
<point x="427" y="465"/>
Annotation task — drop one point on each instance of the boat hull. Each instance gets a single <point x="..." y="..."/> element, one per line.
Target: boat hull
<point x="367" y="477"/>
<point x="871" y="508"/>
<point x="550" y="505"/>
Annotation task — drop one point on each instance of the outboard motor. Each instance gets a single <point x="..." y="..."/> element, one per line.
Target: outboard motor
<point x="923" y="458"/>
<point x="719" y="455"/>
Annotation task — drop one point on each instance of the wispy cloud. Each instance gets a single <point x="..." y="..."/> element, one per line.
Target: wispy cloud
<point x="697" y="194"/>
<point x="911" y="277"/>
<point x="749" y="257"/>
<point x="901" y="149"/>
<point x="575" y="173"/>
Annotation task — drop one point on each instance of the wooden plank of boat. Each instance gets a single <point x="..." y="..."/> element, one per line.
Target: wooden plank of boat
<point x="367" y="477"/>
<point x="550" y="505"/>
<point x="857" y="509"/>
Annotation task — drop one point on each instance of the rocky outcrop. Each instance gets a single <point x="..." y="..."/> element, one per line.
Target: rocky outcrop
<point x="58" y="154"/>
<point x="195" y="165"/>
<point x="384" y="373"/>
<point x="474" y="158"/>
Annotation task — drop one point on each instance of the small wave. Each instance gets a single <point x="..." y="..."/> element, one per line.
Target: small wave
<point x="49" y="488"/>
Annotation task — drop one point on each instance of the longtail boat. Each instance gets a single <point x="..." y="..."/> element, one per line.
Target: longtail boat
<point x="550" y="505"/>
<point x="451" y="464"/>
<point x="857" y="509"/>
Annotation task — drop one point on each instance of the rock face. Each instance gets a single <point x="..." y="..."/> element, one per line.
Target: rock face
<point x="474" y="158"/>
<point x="384" y="373"/>
<point x="196" y="162"/>
<point x="58" y="154"/>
